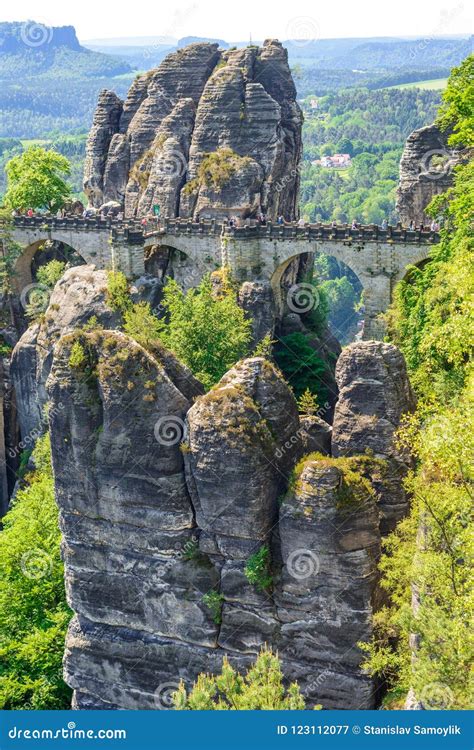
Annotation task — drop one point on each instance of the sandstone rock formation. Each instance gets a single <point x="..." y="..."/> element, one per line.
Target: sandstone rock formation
<point x="78" y="297"/>
<point x="374" y="392"/>
<point x="326" y="596"/>
<point x="208" y="133"/>
<point x="426" y="169"/>
<point x="163" y="503"/>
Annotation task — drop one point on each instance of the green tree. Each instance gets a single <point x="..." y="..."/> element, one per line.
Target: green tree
<point x="301" y="365"/>
<point x="33" y="610"/>
<point x="430" y="553"/>
<point x="261" y="689"/>
<point x="307" y="403"/>
<point x="36" y="180"/>
<point x="50" y="273"/>
<point x="208" y="331"/>
<point x="457" y="109"/>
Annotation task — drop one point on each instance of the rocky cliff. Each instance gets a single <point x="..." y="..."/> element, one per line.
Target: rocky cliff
<point x="426" y="170"/>
<point x="210" y="132"/>
<point x="167" y="495"/>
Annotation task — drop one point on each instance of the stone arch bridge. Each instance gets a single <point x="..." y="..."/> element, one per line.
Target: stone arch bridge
<point x="379" y="258"/>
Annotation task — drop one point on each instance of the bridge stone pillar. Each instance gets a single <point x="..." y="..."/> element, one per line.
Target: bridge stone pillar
<point x="377" y="298"/>
<point x="128" y="258"/>
<point x="244" y="258"/>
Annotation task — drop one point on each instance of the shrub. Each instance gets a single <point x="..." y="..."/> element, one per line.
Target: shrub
<point x="260" y="689"/>
<point x="118" y="296"/>
<point x="213" y="601"/>
<point x="307" y="403"/>
<point x="78" y="356"/>
<point x="33" y="610"/>
<point x="257" y="570"/>
<point x="50" y="273"/>
<point x="142" y="325"/>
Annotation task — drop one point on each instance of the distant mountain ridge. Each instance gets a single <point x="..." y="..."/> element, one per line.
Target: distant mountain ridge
<point x="31" y="49"/>
<point x="343" y="54"/>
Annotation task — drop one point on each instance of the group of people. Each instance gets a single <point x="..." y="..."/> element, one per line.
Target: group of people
<point x="261" y="219"/>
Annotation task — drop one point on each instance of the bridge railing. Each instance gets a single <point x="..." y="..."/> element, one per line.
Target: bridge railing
<point x="135" y="231"/>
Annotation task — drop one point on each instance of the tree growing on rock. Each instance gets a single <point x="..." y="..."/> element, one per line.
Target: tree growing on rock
<point x="36" y="180"/>
<point x="261" y="689"/>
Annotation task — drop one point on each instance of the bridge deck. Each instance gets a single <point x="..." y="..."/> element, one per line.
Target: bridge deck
<point x="136" y="231"/>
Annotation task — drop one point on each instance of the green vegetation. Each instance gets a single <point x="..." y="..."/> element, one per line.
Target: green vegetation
<point x="432" y="321"/>
<point x="142" y="325"/>
<point x="78" y="356"/>
<point x="204" y="327"/>
<point x="118" y="296"/>
<point x="207" y="331"/>
<point x="33" y="610"/>
<point x="260" y="689"/>
<point x="35" y="180"/>
<point x="264" y="347"/>
<point x="357" y="475"/>
<point x="73" y="147"/>
<point x="370" y="126"/>
<point x="216" y="169"/>
<point x="213" y="601"/>
<point x="50" y="273"/>
<point x="307" y="403"/>
<point x="301" y="365"/>
<point x="257" y="569"/>
<point x="342" y="292"/>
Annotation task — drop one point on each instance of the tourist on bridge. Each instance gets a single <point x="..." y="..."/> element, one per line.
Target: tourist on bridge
<point x="280" y="219"/>
<point x="411" y="226"/>
<point x="384" y="224"/>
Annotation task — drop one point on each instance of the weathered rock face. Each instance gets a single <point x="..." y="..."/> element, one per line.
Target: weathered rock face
<point x="106" y="123"/>
<point x="239" y="106"/>
<point x="256" y="298"/>
<point x="162" y="503"/>
<point x="426" y="169"/>
<point x="374" y="392"/>
<point x="79" y="296"/>
<point x="326" y="595"/>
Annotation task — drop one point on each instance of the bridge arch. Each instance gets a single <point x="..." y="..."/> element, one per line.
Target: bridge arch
<point x="284" y="279"/>
<point x="25" y="266"/>
<point x="164" y="260"/>
<point x="418" y="259"/>
<point x="187" y="257"/>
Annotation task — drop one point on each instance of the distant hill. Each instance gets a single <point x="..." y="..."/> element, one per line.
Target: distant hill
<point x="32" y="49"/>
<point x="351" y="54"/>
<point x="406" y="54"/>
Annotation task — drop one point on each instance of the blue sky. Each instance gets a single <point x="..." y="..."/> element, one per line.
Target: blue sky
<point x="236" y="21"/>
